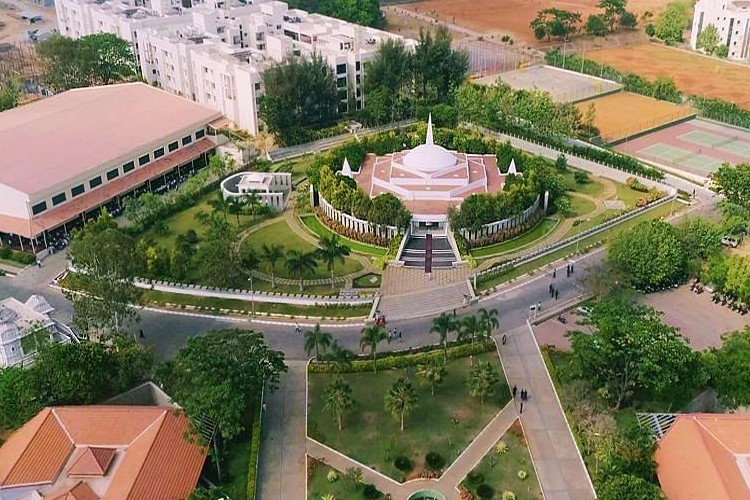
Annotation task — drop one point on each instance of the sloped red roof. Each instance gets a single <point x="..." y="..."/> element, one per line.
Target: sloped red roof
<point x="80" y="491"/>
<point x="92" y="462"/>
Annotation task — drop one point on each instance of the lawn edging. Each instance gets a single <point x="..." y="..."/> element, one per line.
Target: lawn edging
<point x="252" y="473"/>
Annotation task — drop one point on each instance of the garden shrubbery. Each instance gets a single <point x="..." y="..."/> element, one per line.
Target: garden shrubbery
<point x="434" y="461"/>
<point x="403" y="464"/>
<point x="24" y="258"/>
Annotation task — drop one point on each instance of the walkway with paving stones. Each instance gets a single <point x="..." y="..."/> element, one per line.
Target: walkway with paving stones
<point x="282" y="473"/>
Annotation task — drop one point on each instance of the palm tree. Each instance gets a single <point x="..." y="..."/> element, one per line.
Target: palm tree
<point x="250" y="261"/>
<point x="331" y="251"/>
<point x="340" y="356"/>
<point x="372" y="335"/>
<point x="300" y="264"/>
<point x="443" y="325"/>
<point x="315" y="339"/>
<point x="234" y="206"/>
<point x="271" y="255"/>
<point x="253" y="202"/>
<point x="219" y="204"/>
<point x="488" y="320"/>
<point x="338" y="399"/>
<point x="401" y="399"/>
<point x="432" y="374"/>
<point x="469" y="328"/>
<point x="482" y="380"/>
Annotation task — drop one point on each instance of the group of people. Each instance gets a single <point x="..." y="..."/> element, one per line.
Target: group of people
<point x="524" y="396"/>
<point x="395" y="333"/>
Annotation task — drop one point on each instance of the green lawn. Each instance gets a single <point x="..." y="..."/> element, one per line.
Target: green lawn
<point x="540" y="231"/>
<point x="369" y="280"/>
<point x="317" y="228"/>
<point x="580" y="206"/>
<point x="444" y="423"/>
<point x="594" y="187"/>
<point x="13" y="264"/>
<point x="500" y="471"/>
<point x="592" y="222"/>
<point x="237" y="463"/>
<point x="208" y="303"/>
<point x="319" y="485"/>
<point x="629" y="196"/>
<point x="280" y="233"/>
<point x="655" y="213"/>
<point x="298" y="167"/>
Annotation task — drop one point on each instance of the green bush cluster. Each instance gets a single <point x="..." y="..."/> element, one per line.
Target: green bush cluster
<point x="422" y="356"/>
<point x="720" y="110"/>
<point x="16" y="256"/>
<point x="252" y="471"/>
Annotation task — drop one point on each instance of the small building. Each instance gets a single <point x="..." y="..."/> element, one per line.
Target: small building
<point x="732" y="21"/>
<point x="24" y="327"/>
<point x="97" y="452"/>
<point x="273" y="188"/>
<point x="705" y="456"/>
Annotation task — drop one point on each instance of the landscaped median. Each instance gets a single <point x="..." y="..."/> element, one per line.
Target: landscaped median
<point x="312" y="223"/>
<point x="447" y="398"/>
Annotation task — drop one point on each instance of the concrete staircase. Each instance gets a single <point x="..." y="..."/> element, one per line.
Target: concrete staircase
<point x="427" y="302"/>
<point x="413" y="254"/>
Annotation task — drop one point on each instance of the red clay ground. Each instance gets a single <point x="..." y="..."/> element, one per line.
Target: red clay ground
<point x="624" y="114"/>
<point x="512" y="16"/>
<point x="692" y="73"/>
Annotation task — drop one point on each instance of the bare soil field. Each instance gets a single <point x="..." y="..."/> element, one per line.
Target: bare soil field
<point x="692" y="73"/>
<point x="512" y="17"/>
<point x="623" y="114"/>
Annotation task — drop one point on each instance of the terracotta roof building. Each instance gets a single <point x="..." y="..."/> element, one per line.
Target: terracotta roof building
<point x="101" y="452"/>
<point x="71" y="153"/>
<point x="706" y="456"/>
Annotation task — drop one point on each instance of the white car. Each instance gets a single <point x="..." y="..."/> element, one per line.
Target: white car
<point x="583" y="310"/>
<point x="730" y="241"/>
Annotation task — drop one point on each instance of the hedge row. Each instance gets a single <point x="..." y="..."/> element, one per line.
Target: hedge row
<point x="24" y="258"/>
<point x="252" y="472"/>
<point x="722" y="111"/>
<point x="403" y="359"/>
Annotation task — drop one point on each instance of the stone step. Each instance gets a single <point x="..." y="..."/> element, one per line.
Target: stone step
<point x="429" y="302"/>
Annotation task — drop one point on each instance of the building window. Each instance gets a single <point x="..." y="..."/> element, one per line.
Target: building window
<point x="341" y="82"/>
<point x="257" y="86"/>
<point x="96" y="181"/>
<point x="159" y="153"/>
<point x="357" y="66"/>
<point x="77" y="190"/>
<point x="143" y="160"/>
<point x="187" y="140"/>
<point x="200" y="134"/>
<point x="128" y="167"/>
<point x="113" y="174"/>
<point x="173" y="146"/>
<point x="340" y="69"/>
<point x="58" y="198"/>
<point x="39" y="208"/>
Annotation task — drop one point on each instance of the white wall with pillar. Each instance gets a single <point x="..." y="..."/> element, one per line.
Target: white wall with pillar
<point x="355" y="224"/>
<point x="501" y="225"/>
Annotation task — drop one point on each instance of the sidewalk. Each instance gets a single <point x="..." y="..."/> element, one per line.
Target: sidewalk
<point x="560" y="468"/>
<point x="282" y="473"/>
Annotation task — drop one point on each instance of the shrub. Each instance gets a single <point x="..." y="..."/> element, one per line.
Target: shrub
<point x="5" y="253"/>
<point x="508" y="495"/>
<point x="581" y="177"/>
<point x="434" y="461"/>
<point x="522" y="474"/>
<point x="484" y="490"/>
<point x="252" y="473"/>
<point x="370" y="492"/>
<point x="636" y="185"/>
<point x="403" y="464"/>
<point x="474" y="478"/>
<point x="332" y="476"/>
<point x="501" y="448"/>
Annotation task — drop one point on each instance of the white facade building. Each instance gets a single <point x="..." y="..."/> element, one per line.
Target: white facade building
<point x="732" y="20"/>
<point x="215" y="53"/>
<point x="273" y="188"/>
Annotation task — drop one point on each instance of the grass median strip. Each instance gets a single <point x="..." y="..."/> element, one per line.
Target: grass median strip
<point x="540" y="231"/>
<point x="312" y="223"/>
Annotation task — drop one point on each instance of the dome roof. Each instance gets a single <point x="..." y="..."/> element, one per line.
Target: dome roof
<point x="429" y="158"/>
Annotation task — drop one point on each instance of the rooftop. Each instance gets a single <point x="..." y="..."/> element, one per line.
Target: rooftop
<point x="48" y="141"/>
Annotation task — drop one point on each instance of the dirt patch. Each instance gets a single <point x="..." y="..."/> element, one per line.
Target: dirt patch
<point x="511" y="17"/>
<point x="624" y="114"/>
<point x="693" y="73"/>
<point x="516" y="429"/>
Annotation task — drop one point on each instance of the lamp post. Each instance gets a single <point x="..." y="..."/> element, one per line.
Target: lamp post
<point x="252" y="293"/>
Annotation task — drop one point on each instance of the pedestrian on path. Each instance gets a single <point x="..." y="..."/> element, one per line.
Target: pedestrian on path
<point x="571" y="268"/>
<point x="557" y="294"/>
<point x="505" y="339"/>
<point x="514" y="390"/>
<point x="521" y="412"/>
<point x="399" y="336"/>
<point x="297" y="329"/>
<point x="551" y="289"/>
<point x="538" y="306"/>
<point x="554" y="273"/>
<point x="141" y="335"/>
<point x="39" y="263"/>
<point x="264" y="407"/>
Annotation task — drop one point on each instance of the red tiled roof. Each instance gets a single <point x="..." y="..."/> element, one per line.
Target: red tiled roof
<point x="92" y="462"/>
<point x="80" y="491"/>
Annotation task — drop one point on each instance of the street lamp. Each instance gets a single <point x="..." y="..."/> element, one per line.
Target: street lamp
<point x="252" y="293"/>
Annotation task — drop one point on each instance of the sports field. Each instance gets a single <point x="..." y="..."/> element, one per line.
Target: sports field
<point x="692" y="73"/>
<point x="562" y="85"/>
<point x="695" y="146"/>
<point x="512" y="16"/>
<point x="623" y="114"/>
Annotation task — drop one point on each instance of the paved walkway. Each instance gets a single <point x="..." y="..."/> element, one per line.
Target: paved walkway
<point x="558" y="463"/>
<point x="282" y="474"/>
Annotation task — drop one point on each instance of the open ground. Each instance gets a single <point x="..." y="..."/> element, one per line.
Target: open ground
<point x="512" y="17"/>
<point x="696" y="146"/>
<point x="13" y="29"/>
<point x="693" y="73"/>
<point x="562" y="85"/>
<point x="623" y="114"/>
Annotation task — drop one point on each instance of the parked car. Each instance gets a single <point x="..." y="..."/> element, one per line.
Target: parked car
<point x="730" y="241"/>
<point x="583" y="310"/>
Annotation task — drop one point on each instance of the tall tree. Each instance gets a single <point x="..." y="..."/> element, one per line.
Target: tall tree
<point x="316" y="339"/>
<point x="271" y="254"/>
<point x="331" y="251"/>
<point x="401" y="399"/>
<point x="470" y="327"/>
<point x="19" y="399"/>
<point x="443" y="325"/>
<point x="387" y="79"/>
<point x="339" y="356"/>
<point x="438" y="68"/>
<point x="106" y="260"/>
<point x="488" y="320"/>
<point x="729" y="369"/>
<point x="482" y="380"/>
<point x="552" y="22"/>
<point x="734" y="183"/>
<point x="217" y="260"/>
<point x="300" y="265"/>
<point x="672" y="22"/>
<point x="299" y="93"/>
<point x="432" y="374"/>
<point x="613" y="10"/>
<point x="338" y="400"/>
<point x="372" y="335"/>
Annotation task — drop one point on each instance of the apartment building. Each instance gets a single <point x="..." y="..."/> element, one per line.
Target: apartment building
<point x="215" y="53"/>
<point x="731" y="18"/>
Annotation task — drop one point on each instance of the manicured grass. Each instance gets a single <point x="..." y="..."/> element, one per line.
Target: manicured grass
<point x="592" y="222"/>
<point x="581" y="206"/>
<point x="369" y="280"/>
<point x="280" y="233"/>
<point x="500" y="471"/>
<point x="319" y="229"/>
<point x="629" y="196"/>
<point x="541" y="230"/>
<point x="319" y="485"/>
<point x="209" y="303"/>
<point x="237" y="463"/>
<point x="444" y="423"/>
<point x="594" y="187"/>
<point x="298" y="167"/>
<point x="655" y="213"/>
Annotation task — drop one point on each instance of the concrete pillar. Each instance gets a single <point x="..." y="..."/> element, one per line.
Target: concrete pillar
<point x="546" y="201"/>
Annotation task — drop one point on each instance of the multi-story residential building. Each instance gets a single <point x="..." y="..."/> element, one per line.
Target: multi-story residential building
<point x="732" y="20"/>
<point x="215" y="54"/>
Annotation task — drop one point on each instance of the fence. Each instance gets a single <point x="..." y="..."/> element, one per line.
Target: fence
<point x="19" y="61"/>
<point x="501" y="225"/>
<point x="652" y="124"/>
<point x="541" y="252"/>
<point x="355" y="224"/>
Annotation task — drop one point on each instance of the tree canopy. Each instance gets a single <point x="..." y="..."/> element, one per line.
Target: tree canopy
<point x="672" y="22"/>
<point x="728" y="368"/>
<point x="708" y="40"/>
<point x="552" y="22"/>
<point x="364" y="12"/>
<point x="734" y="183"/>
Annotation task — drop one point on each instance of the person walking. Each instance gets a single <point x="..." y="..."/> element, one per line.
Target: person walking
<point x="571" y="268"/>
<point x="554" y="273"/>
<point x="505" y="339"/>
<point x="551" y="289"/>
<point x="557" y="294"/>
<point x="521" y="412"/>
<point x="514" y="390"/>
<point x="297" y="329"/>
<point x="140" y="334"/>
